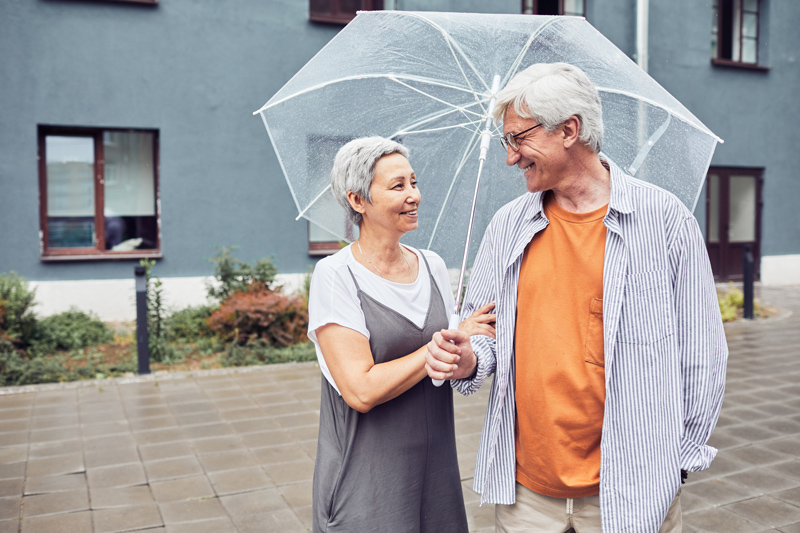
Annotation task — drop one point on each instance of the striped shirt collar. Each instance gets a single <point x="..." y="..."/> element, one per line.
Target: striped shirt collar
<point x="619" y="202"/>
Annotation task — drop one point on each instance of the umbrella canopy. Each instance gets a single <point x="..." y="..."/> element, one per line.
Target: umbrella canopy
<point x="424" y="79"/>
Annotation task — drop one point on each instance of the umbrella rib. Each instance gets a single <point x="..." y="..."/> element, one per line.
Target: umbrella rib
<point x="420" y="91"/>
<point x="640" y="157"/>
<point x="434" y="117"/>
<point x="280" y="160"/>
<point x="363" y="77"/>
<point x="696" y="124"/>
<point x="515" y="65"/>
<point x="463" y="125"/>
<point x="470" y="149"/>
<point x="315" y="200"/>
<point x="450" y="43"/>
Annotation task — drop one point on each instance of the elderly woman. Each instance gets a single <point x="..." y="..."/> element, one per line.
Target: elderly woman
<point x="386" y="456"/>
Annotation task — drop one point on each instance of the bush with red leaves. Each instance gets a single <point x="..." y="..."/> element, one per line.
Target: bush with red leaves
<point x="260" y="313"/>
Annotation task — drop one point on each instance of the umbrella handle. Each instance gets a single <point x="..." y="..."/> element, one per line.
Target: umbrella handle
<point x="455" y="320"/>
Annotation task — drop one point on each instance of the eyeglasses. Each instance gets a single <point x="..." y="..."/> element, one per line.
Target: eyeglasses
<point x="510" y="139"/>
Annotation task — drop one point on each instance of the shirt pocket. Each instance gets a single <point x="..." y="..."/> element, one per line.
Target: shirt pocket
<point x="595" y="352"/>
<point x="647" y="310"/>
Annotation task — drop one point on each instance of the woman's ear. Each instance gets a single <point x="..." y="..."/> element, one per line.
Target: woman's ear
<point x="571" y="130"/>
<point x="356" y="202"/>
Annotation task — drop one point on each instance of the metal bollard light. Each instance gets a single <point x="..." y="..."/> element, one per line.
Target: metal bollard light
<point x="749" y="267"/>
<point x="142" y="340"/>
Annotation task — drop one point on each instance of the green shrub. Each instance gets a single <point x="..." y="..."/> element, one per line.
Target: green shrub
<point x="17" y="321"/>
<point x="731" y="304"/>
<point x="260" y="313"/>
<point x="259" y="352"/>
<point x="70" y="330"/>
<point x="189" y="324"/>
<point x="156" y="333"/>
<point x="232" y="275"/>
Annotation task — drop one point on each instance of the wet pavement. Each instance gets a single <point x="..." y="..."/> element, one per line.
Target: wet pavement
<point x="234" y="450"/>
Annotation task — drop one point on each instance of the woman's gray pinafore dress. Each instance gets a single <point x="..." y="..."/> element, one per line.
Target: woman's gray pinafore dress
<point x="393" y="469"/>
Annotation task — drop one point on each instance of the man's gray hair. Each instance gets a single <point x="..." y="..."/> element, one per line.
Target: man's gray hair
<point x="354" y="169"/>
<point x="550" y="93"/>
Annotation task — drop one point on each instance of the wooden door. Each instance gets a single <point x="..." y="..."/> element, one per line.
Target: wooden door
<point x="733" y="220"/>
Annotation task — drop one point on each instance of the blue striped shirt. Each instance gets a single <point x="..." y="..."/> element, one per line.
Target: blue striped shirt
<point x="665" y="351"/>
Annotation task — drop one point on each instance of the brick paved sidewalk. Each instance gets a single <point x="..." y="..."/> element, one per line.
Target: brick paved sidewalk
<point x="234" y="451"/>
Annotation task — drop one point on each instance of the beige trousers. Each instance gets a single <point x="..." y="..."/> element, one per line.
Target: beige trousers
<point x="535" y="512"/>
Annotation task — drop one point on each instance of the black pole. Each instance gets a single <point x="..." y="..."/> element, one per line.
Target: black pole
<point x="748" y="282"/>
<point x="142" y="341"/>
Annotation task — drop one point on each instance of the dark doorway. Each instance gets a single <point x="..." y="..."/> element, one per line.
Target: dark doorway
<point x="733" y="220"/>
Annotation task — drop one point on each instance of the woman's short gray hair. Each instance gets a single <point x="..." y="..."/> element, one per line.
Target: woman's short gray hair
<point x="354" y="169"/>
<point x="550" y="93"/>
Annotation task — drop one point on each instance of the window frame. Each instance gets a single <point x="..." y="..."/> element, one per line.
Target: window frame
<point x="725" y="62"/>
<point x="322" y="248"/>
<point x="98" y="251"/>
<point x="535" y="7"/>
<point x="336" y="16"/>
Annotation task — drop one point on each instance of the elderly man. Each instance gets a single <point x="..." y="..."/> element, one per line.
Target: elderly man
<point x="610" y="354"/>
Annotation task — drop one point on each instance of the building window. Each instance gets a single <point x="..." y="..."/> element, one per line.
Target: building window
<point x="554" y="7"/>
<point x="340" y="11"/>
<point x="322" y="242"/>
<point x="734" y="31"/>
<point x="98" y="193"/>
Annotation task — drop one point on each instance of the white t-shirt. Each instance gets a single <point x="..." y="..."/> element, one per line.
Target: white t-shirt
<point x="334" y="299"/>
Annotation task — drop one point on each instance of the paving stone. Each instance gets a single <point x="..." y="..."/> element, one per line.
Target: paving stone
<point x="60" y="464"/>
<point x="243" y="427"/>
<point x="118" y="427"/>
<point x="789" y="446"/>
<point x="12" y="470"/>
<point x="56" y="502"/>
<point x="52" y="449"/>
<point x="245" y="479"/>
<point x="108" y="442"/>
<point x="787" y="469"/>
<point x="126" y="518"/>
<point x="9" y="526"/>
<point x="14" y="454"/>
<point x="298" y="494"/>
<point x="192" y="510"/>
<point x="160" y="435"/>
<point x="182" y="489"/>
<point x="173" y="468"/>
<point x="720" y="491"/>
<point x="227" y="405"/>
<point x="10" y="507"/>
<point x="294" y="421"/>
<point x="46" y="484"/>
<point x="113" y="456"/>
<point x="792" y="496"/>
<point x="194" y="419"/>
<point x="59" y="523"/>
<point x="158" y="422"/>
<point x="14" y="437"/>
<point x="47" y="435"/>
<point x="116" y="476"/>
<point x="11" y="487"/>
<point x="121" y="497"/>
<point x="280" y="454"/>
<point x="207" y="430"/>
<point x="154" y="452"/>
<point x="762" y="479"/>
<point x="767" y="511"/>
<point x="268" y="438"/>
<point x="720" y="520"/>
<point x="292" y="472"/>
<point x="228" y="461"/>
<point x="255" y="502"/>
<point x="212" y="525"/>
<point x="284" y="521"/>
<point x="755" y="455"/>
<point x="226" y="443"/>
<point x="791" y="528"/>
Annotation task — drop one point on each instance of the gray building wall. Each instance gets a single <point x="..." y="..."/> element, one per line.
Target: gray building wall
<point x="196" y="70"/>
<point x="193" y="70"/>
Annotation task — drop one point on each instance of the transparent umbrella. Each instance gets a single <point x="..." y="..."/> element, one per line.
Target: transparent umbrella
<point x="425" y="80"/>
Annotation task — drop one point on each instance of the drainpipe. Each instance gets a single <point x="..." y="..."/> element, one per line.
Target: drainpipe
<point x="642" y="34"/>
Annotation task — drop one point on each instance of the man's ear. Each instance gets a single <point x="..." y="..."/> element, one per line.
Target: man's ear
<point x="571" y="130"/>
<point x="356" y="202"/>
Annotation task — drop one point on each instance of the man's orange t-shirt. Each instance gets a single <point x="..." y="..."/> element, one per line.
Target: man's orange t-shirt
<point x="560" y="374"/>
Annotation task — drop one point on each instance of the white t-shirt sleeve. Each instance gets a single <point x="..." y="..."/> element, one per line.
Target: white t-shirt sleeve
<point x="333" y="299"/>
